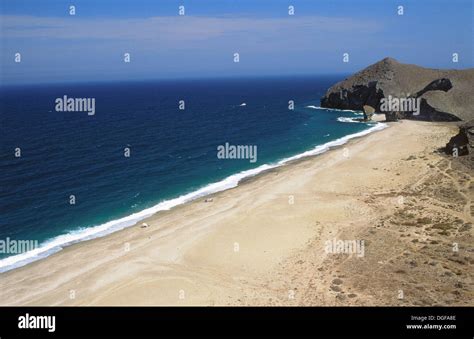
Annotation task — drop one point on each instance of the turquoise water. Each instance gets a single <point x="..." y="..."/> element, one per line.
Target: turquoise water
<point x="173" y="153"/>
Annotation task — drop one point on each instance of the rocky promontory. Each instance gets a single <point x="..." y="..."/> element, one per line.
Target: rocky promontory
<point x="443" y="95"/>
<point x="463" y="143"/>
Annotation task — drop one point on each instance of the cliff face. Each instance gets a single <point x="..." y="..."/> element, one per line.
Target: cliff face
<point x="444" y="95"/>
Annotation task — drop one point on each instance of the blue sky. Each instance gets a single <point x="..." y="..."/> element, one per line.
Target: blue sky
<point x="89" y="46"/>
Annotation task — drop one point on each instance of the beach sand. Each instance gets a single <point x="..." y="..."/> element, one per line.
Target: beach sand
<point x="263" y="242"/>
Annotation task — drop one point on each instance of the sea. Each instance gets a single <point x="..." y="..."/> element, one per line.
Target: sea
<point x="69" y="176"/>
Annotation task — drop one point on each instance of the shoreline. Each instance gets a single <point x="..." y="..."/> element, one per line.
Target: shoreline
<point x="187" y="256"/>
<point x="60" y="242"/>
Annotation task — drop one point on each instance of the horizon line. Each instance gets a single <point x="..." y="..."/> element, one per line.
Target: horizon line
<point x="192" y="78"/>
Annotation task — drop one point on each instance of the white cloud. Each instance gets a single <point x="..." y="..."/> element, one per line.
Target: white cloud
<point x="178" y="29"/>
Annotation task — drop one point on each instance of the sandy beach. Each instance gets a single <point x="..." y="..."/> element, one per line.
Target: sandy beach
<point x="263" y="242"/>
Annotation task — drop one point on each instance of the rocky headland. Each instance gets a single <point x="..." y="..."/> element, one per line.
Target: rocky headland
<point x="441" y="95"/>
<point x="445" y="95"/>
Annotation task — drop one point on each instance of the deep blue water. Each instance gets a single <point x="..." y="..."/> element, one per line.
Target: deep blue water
<point x="173" y="152"/>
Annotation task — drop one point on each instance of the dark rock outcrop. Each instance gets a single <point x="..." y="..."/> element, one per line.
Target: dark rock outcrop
<point x="394" y="116"/>
<point x="432" y="114"/>
<point x="354" y="98"/>
<point x="462" y="143"/>
<point x="368" y="112"/>
<point x="445" y="95"/>
<point x="442" y="84"/>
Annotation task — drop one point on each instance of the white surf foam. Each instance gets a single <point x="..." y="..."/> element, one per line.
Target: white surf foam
<point x="338" y="142"/>
<point x="58" y="243"/>
<point x="347" y="119"/>
<point x="335" y="109"/>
